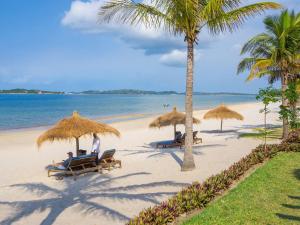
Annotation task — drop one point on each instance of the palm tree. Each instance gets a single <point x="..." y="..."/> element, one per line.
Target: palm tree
<point x="186" y="18"/>
<point x="275" y="53"/>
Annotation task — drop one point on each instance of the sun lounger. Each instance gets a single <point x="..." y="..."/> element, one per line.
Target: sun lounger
<point x="77" y="165"/>
<point x="179" y="142"/>
<point x="169" y="144"/>
<point x="107" y="160"/>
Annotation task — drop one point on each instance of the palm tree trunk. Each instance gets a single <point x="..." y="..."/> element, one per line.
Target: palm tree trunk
<point x="77" y="146"/>
<point x="188" y="159"/>
<point x="285" y="103"/>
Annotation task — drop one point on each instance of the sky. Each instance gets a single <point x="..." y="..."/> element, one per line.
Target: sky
<point x="60" y="45"/>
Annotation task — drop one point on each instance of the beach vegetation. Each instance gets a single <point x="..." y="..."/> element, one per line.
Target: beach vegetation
<point x="198" y="195"/>
<point x="185" y="18"/>
<point x="268" y="196"/>
<point x="275" y="53"/>
<point x="267" y="96"/>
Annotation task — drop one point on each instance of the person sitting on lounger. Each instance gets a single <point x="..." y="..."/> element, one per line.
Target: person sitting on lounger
<point x="178" y="136"/>
<point x="63" y="165"/>
<point x="96" y="147"/>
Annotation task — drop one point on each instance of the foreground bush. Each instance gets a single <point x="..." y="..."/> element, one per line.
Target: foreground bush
<point x="197" y="196"/>
<point x="293" y="137"/>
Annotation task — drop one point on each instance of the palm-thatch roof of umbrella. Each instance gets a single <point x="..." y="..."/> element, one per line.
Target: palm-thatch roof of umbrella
<point x="75" y="127"/>
<point x="222" y="113"/>
<point x="172" y="118"/>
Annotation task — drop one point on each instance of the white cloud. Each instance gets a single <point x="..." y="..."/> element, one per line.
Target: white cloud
<point x="177" y="58"/>
<point x="83" y="16"/>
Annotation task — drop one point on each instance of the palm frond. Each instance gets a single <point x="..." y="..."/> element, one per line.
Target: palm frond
<point x="130" y="12"/>
<point x="233" y="19"/>
<point x="245" y="64"/>
<point x="255" y="42"/>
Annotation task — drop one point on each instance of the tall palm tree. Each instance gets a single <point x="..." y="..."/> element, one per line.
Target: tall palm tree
<point x="187" y="18"/>
<point x="275" y="53"/>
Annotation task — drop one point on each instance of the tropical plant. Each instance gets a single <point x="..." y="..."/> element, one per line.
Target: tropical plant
<point x="275" y="53"/>
<point x="291" y="113"/>
<point x="267" y="96"/>
<point x="199" y="195"/>
<point x="185" y="18"/>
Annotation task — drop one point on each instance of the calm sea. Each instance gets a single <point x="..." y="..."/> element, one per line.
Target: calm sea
<point x="26" y="111"/>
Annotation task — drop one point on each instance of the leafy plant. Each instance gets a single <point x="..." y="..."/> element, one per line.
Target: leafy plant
<point x="291" y="111"/>
<point x="267" y="96"/>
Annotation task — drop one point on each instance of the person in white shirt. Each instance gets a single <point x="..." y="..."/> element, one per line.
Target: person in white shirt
<point x="96" y="146"/>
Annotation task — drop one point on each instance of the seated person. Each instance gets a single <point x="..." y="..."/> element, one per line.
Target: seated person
<point x="64" y="165"/>
<point x="178" y="136"/>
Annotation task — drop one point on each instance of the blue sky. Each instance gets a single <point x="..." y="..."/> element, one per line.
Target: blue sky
<point x="58" y="45"/>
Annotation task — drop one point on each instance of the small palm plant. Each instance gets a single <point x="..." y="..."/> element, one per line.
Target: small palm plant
<point x="185" y="18"/>
<point x="267" y="96"/>
<point x="275" y="54"/>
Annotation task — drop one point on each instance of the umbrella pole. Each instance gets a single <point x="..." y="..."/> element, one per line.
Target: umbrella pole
<point x="174" y="131"/>
<point x="221" y="125"/>
<point x="77" y="146"/>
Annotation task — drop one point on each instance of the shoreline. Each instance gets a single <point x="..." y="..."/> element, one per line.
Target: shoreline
<point x="112" y="119"/>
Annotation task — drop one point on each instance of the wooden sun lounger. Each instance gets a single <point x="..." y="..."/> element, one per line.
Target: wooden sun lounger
<point x="77" y="165"/>
<point x="107" y="160"/>
<point x="179" y="142"/>
<point x="169" y="144"/>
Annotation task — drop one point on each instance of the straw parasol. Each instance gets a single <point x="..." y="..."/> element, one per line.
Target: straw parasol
<point x="172" y="118"/>
<point x="75" y="127"/>
<point x="222" y="113"/>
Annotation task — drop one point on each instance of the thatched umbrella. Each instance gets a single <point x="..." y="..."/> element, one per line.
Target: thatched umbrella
<point x="222" y="113"/>
<point x="75" y="127"/>
<point x="172" y="118"/>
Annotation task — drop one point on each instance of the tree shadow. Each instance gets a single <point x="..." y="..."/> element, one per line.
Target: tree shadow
<point x="227" y="134"/>
<point x="289" y="206"/>
<point x="294" y="197"/>
<point x="269" y="126"/>
<point x="296" y="173"/>
<point x="288" y="217"/>
<point x="159" y="152"/>
<point x="82" y="194"/>
<point x="218" y="131"/>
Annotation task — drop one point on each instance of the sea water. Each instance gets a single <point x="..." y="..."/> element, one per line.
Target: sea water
<point x="33" y="110"/>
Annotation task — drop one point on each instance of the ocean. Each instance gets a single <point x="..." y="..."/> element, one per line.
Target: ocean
<point x="32" y="110"/>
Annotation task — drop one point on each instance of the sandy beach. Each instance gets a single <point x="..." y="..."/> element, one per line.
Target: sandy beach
<point x="148" y="175"/>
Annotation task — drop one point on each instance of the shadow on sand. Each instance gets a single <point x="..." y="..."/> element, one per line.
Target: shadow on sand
<point x="82" y="194"/>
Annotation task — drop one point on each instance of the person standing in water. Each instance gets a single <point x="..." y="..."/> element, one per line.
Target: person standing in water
<point x="96" y="147"/>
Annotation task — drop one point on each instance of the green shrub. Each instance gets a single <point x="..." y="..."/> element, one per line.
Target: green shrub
<point x="198" y="195"/>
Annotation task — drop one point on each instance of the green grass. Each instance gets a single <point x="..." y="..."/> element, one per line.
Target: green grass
<point x="270" y="196"/>
<point x="258" y="133"/>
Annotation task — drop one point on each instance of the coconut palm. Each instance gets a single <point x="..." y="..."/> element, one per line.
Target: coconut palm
<point x="185" y="18"/>
<point x="275" y="53"/>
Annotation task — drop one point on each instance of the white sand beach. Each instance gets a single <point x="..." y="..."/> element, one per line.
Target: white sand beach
<point x="148" y="175"/>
